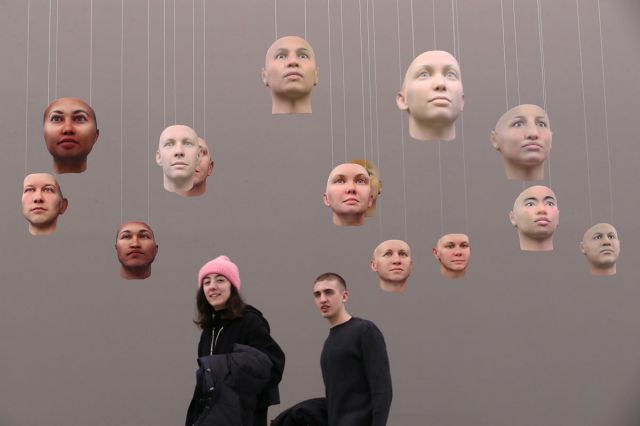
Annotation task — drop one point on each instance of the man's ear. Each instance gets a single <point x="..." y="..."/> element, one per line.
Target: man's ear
<point x="462" y="104"/>
<point x="263" y="75"/>
<point x="435" y="253"/>
<point x="64" y="203"/>
<point x="401" y="101"/>
<point x="512" y="218"/>
<point x="210" y="168"/>
<point x="325" y="200"/>
<point x="494" y="140"/>
<point x="345" y="296"/>
<point x="581" y="245"/>
<point x="374" y="266"/>
<point x="158" y="158"/>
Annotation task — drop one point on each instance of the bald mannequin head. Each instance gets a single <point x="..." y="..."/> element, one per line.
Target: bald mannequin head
<point x="136" y="249"/>
<point x="42" y="203"/>
<point x="433" y="96"/>
<point x="290" y="72"/>
<point x="348" y="193"/>
<point x="522" y="136"/>
<point x="391" y="260"/>
<point x="535" y="215"/>
<point x="453" y="252"/>
<point x="601" y="246"/>
<point x="178" y="154"/>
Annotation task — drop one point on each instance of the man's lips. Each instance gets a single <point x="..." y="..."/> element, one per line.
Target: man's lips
<point x="532" y="146"/>
<point x="38" y="210"/>
<point x="440" y="99"/>
<point x="135" y="253"/>
<point x="324" y="308"/>
<point x="543" y="221"/>
<point x="293" y="74"/>
<point x="179" y="163"/>
<point x="607" y="251"/>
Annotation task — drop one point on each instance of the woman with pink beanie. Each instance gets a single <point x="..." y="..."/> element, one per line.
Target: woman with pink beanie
<point x="235" y="346"/>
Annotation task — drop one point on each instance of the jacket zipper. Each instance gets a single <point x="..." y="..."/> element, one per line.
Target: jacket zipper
<point x="214" y="338"/>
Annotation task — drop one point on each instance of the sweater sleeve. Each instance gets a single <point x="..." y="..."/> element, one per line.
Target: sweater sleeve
<point x="259" y="337"/>
<point x="376" y="366"/>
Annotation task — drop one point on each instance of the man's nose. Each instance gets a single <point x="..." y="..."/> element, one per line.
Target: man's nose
<point x="351" y="187"/>
<point x="178" y="150"/>
<point x="292" y="61"/>
<point x="135" y="242"/>
<point x="532" y="132"/>
<point x="439" y="82"/>
<point x="37" y="197"/>
<point x="67" y="127"/>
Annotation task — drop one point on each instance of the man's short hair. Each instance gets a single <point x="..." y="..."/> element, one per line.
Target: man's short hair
<point x="332" y="276"/>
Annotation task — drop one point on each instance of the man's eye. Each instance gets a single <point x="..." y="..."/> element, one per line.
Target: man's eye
<point x="55" y="118"/>
<point x="47" y="189"/>
<point x="612" y="236"/>
<point x="303" y="56"/>
<point x="281" y="56"/>
<point x="423" y="74"/>
<point x="597" y="237"/>
<point x="339" y="180"/>
<point x="541" y="124"/>
<point x="80" y="118"/>
<point x="550" y="203"/>
<point x="125" y="236"/>
<point x="169" y="143"/>
<point x="518" y="123"/>
<point x="452" y="74"/>
<point x="449" y="246"/>
<point x="529" y="204"/>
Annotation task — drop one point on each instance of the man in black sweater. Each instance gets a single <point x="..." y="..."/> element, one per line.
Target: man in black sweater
<point x="354" y="362"/>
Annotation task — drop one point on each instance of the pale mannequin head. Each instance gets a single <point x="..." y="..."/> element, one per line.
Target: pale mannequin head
<point x="391" y="260"/>
<point x="601" y="247"/>
<point x="374" y="181"/>
<point x="523" y="137"/>
<point x="535" y="215"/>
<point x="291" y="73"/>
<point x="136" y="249"/>
<point x="42" y="203"/>
<point x="452" y="251"/>
<point x="70" y="131"/>
<point x="202" y="172"/>
<point x="433" y="96"/>
<point x="330" y="296"/>
<point x="348" y="194"/>
<point x="178" y="154"/>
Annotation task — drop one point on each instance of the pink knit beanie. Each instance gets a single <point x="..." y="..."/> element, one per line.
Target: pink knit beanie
<point x="221" y="265"/>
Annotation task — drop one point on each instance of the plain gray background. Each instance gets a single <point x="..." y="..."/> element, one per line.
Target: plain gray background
<point x="525" y="339"/>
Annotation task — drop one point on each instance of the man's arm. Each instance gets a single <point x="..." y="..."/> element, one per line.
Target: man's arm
<point x="376" y="367"/>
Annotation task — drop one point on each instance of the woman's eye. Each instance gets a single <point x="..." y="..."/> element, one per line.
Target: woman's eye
<point x="518" y="124"/>
<point x="541" y="124"/>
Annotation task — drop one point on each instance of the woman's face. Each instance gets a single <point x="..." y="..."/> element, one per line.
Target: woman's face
<point x="217" y="290"/>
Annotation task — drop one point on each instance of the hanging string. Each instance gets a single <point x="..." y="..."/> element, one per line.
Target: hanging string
<point x="330" y="80"/>
<point x="504" y="58"/>
<point x="175" y="90"/>
<point x="364" y="131"/>
<point x="453" y="25"/>
<point x="404" y="180"/>
<point x="55" y="86"/>
<point x="433" y="13"/>
<point x="375" y="85"/>
<point x="370" y="88"/>
<point x="542" y="69"/>
<point x="148" y="121"/>
<point x="49" y="58"/>
<point x="164" y="63"/>
<point x="305" y="19"/>
<point x="91" y="52"/>
<point x="121" y="110"/>
<point x="275" y="16"/>
<point x="464" y="156"/>
<point x="606" y="121"/>
<point x="204" y="71"/>
<point x="515" y="41"/>
<point x="193" y="64"/>
<point x="26" y="96"/>
<point x="584" y="112"/>
<point x="413" y="36"/>
<point x="344" y="88"/>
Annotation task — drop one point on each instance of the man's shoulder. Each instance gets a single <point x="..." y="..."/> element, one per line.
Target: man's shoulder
<point x="363" y="324"/>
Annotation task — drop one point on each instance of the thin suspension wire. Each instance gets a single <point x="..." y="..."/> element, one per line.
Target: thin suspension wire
<point x="91" y="52"/>
<point x="26" y="96"/>
<point x="364" y="130"/>
<point x="344" y="88"/>
<point x="464" y="156"/>
<point x="453" y="25"/>
<point x="305" y="19"/>
<point x="544" y="81"/>
<point x="433" y="13"/>
<point x="441" y="190"/>
<point x="375" y="85"/>
<point x="148" y="120"/>
<point x="330" y="80"/>
<point x="175" y="89"/>
<point x="193" y="63"/>
<point x="606" y="121"/>
<point x="515" y="41"/>
<point x="204" y="71"/>
<point x="121" y="110"/>
<point x="164" y="63"/>
<point x="49" y="59"/>
<point x="370" y="88"/>
<point x="584" y="112"/>
<point x="413" y="33"/>
<point x="275" y="16"/>
<point x="404" y="184"/>
<point x="55" y="86"/>
<point x="504" y="57"/>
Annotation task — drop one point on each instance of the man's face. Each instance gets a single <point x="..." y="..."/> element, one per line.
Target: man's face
<point x="290" y="67"/>
<point x="329" y="297"/>
<point x="69" y="128"/>
<point x="453" y="251"/>
<point x="523" y="136"/>
<point x="392" y="261"/>
<point x="432" y="89"/>
<point x="535" y="213"/>
<point x="205" y="164"/>
<point x="178" y="152"/>
<point x="348" y="190"/>
<point x="601" y="246"/>
<point x="41" y="200"/>
<point x="135" y="245"/>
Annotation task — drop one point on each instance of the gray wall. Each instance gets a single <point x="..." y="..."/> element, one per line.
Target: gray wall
<point x="524" y="339"/>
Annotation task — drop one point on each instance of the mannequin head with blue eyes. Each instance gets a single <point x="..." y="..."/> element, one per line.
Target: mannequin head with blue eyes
<point x="523" y="137"/>
<point x="291" y="73"/>
<point x="433" y="96"/>
<point x="601" y="246"/>
<point x="535" y="216"/>
<point x="178" y="154"/>
<point x="391" y="260"/>
<point x="348" y="194"/>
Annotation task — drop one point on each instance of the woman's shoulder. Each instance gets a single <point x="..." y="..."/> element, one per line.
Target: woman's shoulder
<point x="252" y="316"/>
